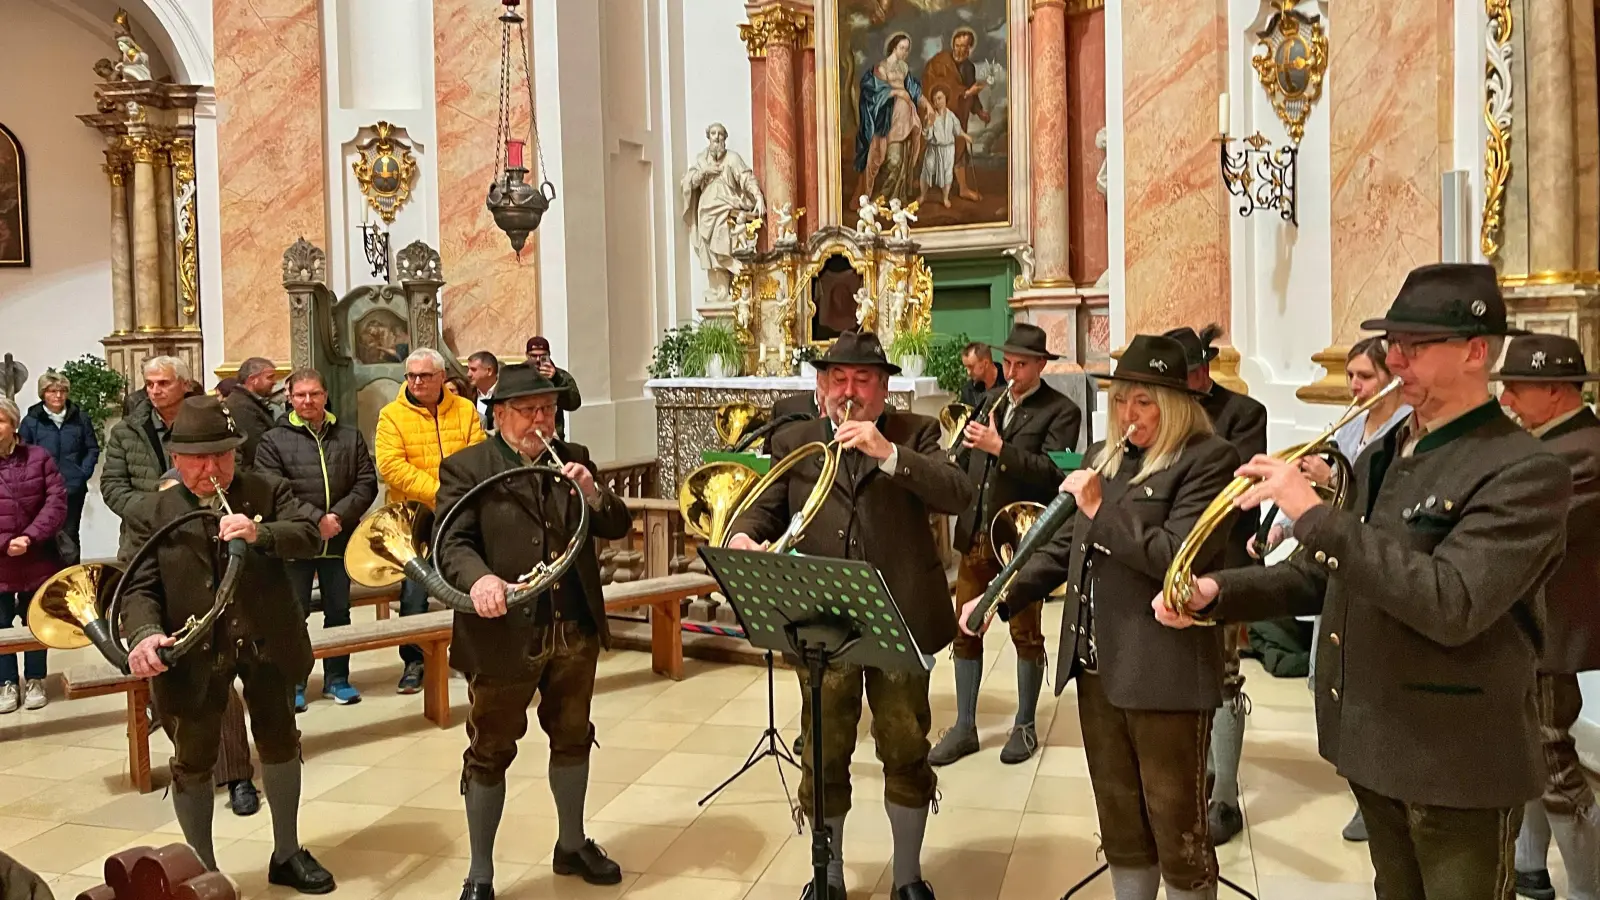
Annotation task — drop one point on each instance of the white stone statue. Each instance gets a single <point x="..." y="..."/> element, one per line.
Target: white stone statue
<point x="902" y="216"/>
<point x="867" y="212"/>
<point x="786" y="222"/>
<point x="1023" y="254"/>
<point x="1100" y="179"/>
<point x="720" y="194"/>
<point x="744" y="228"/>
<point x="864" y="306"/>
<point x="135" y="63"/>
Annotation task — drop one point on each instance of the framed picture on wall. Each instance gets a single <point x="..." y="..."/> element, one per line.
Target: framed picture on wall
<point x="926" y="102"/>
<point x="13" y="202"/>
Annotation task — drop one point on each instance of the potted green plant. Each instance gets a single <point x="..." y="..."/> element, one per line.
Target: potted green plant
<point x="667" y="361"/>
<point x="716" y="351"/>
<point x="96" y="389"/>
<point x="944" y="362"/>
<point x="910" y="349"/>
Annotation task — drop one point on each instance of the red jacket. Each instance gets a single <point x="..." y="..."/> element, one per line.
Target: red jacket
<point x="33" y="503"/>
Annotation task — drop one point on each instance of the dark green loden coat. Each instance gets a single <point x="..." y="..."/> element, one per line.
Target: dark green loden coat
<point x="182" y="581"/>
<point x="506" y="531"/>
<point x="1430" y="590"/>
<point x="1572" y="596"/>
<point x="1047" y="420"/>
<point x="876" y="517"/>
<point x="1125" y="550"/>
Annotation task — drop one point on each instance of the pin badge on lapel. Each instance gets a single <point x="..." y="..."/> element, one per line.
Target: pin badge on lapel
<point x="1149" y="491"/>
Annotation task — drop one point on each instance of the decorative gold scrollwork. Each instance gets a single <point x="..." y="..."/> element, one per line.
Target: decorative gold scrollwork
<point x="386" y="171"/>
<point x="1291" y="59"/>
<point x="1497" y="106"/>
<point x="775" y="25"/>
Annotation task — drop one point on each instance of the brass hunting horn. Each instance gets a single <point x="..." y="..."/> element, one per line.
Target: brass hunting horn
<point x="1178" y="586"/>
<point x="391" y="544"/>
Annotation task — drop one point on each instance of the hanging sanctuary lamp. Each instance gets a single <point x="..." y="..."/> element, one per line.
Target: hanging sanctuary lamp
<point x="516" y="205"/>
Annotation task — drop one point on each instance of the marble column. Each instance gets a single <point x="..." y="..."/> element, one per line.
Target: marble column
<point x="781" y="112"/>
<point x="1175" y="223"/>
<point x="164" y="238"/>
<point x="1048" y="134"/>
<point x="121" y="248"/>
<point x="1586" y="128"/>
<point x="1552" y="146"/>
<point x="146" y="243"/>
<point x="810" y="178"/>
<point x="1086" y="150"/>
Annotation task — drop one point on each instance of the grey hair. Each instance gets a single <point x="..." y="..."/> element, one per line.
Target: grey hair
<point x="718" y="126"/>
<point x="179" y="368"/>
<point x="51" y="378"/>
<point x="426" y="354"/>
<point x="10" y="411"/>
<point x="254" y="366"/>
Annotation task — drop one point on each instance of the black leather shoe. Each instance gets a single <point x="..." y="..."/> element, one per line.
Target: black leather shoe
<point x="920" y="890"/>
<point x="477" y="890"/>
<point x="301" y="872"/>
<point x="834" y="893"/>
<point x="1535" y="885"/>
<point x="590" y="862"/>
<point x="243" y="798"/>
<point x="1226" y="822"/>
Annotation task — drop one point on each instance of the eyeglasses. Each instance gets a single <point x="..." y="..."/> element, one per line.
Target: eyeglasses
<point x="422" y="376"/>
<point x="544" y="409"/>
<point x="1408" y="347"/>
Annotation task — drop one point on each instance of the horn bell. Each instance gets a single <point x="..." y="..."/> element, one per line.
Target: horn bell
<point x="708" y="496"/>
<point x="69" y="602"/>
<point x="1009" y="525"/>
<point x="953" y="419"/>
<point x="733" y="421"/>
<point x="385" y="541"/>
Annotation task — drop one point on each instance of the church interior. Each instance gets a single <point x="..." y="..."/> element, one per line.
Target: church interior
<point x="686" y="208"/>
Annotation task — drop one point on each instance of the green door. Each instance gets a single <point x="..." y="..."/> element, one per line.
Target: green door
<point x="970" y="297"/>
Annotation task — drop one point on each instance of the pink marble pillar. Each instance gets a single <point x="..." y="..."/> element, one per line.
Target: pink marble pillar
<point x="1048" y="99"/>
<point x="1174" y="65"/>
<point x="810" y="183"/>
<point x="269" y="155"/>
<point x="1086" y="117"/>
<point x="782" y="149"/>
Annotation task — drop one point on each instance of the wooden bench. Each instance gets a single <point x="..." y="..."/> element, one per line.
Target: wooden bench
<point x="378" y="598"/>
<point x="664" y="596"/>
<point x="97" y="679"/>
<point x="18" y="639"/>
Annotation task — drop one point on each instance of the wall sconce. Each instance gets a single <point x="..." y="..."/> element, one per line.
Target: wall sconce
<point x="1261" y="175"/>
<point x="375" y="241"/>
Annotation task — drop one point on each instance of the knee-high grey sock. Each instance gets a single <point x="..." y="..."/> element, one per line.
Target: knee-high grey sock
<point x="569" y="784"/>
<point x="485" y="803"/>
<point x="969" y="676"/>
<point x="1205" y="893"/>
<point x="907" y="825"/>
<point x="1579" y="840"/>
<point x="835" y="849"/>
<point x="1030" y="678"/>
<point x="1227" y="745"/>
<point x="1129" y="883"/>
<point x="1533" y="841"/>
<point x="282" y="781"/>
<point x="193" y="804"/>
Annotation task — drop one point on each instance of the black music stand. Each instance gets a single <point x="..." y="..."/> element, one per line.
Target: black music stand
<point x="822" y="610"/>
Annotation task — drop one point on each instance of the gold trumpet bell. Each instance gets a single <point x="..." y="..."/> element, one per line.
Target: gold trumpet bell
<point x="1010" y="524"/>
<point x="953" y="421"/>
<point x="70" y="600"/>
<point x="385" y="541"/>
<point x="733" y="421"/>
<point x="708" y="496"/>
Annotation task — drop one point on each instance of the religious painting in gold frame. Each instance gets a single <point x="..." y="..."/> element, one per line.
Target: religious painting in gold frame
<point x="14" y="243"/>
<point x="1291" y="59"/>
<point x="916" y="95"/>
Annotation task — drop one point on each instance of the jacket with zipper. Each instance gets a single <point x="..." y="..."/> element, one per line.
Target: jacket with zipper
<point x="329" y="471"/>
<point x="412" y="442"/>
<point x="71" y="444"/>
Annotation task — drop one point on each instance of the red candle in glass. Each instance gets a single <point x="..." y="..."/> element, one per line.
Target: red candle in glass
<point x="514" y="154"/>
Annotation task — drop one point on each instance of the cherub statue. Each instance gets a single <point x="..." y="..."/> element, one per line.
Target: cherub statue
<point x="867" y="212"/>
<point x="865" y="307"/>
<point x="786" y="222"/>
<point x="745" y="226"/>
<point x="903" y="216"/>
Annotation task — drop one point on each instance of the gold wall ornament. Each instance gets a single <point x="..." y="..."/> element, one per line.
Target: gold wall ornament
<point x="1497" y="108"/>
<point x="775" y="24"/>
<point x="1291" y="58"/>
<point x="386" y="171"/>
<point x="186" y="208"/>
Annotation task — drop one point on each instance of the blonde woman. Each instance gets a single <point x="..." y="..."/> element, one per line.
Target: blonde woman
<point x="1145" y="700"/>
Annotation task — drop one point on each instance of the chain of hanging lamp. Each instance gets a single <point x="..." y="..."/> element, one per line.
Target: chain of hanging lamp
<point x="516" y="205"/>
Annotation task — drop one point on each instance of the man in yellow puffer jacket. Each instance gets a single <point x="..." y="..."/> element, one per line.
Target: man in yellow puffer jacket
<point x="422" y="426"/>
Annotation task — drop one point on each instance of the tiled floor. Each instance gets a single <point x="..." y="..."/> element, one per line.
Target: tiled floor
<point x="381" y="806"/>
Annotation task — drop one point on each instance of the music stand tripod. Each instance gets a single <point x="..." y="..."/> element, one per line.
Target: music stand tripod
<point x="822" y="610"/>
<point x="767" y="745"/>
<point x="1105" y="868"/>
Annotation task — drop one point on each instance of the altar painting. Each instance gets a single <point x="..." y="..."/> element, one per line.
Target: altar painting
<point x="924" y="101"/>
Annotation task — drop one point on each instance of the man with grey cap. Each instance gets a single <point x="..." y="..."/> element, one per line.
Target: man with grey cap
<point x="1542" y="381"/>
<point x="1430" y="589"/>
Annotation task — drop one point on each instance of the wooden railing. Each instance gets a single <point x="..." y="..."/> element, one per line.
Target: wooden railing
<point x="631" y="477"/>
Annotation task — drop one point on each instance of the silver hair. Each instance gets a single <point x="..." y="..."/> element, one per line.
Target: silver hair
<point x="254" y="366"/>
<point x="426" y="354"/>
<point x="179" y="368"/>
<point x="51" y="378"/>
<point x="10" y="411"/>
<point x="718" y="126"/>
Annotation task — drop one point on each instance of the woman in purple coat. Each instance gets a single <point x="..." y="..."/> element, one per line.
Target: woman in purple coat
<point x="33" y="507"/>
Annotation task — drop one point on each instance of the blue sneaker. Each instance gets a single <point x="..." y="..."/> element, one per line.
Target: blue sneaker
<point x="341" y="693"/>
<point x="300" y="698"/>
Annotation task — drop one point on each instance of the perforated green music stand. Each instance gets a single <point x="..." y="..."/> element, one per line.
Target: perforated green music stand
<point x="821" y="610"/>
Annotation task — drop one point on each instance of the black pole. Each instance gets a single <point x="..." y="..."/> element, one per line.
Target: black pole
<point x="820" y="854"/>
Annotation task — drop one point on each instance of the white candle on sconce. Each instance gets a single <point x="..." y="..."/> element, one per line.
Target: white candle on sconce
<point x="1222" y="113"/>
<point x="763" y="355"/>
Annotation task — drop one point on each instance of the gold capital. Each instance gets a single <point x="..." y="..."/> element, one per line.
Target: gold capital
<point x="775" y="25"/>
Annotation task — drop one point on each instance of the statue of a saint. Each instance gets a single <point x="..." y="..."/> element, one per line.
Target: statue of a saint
<point x="719" y="190"/>
<point x="132" y="63"/>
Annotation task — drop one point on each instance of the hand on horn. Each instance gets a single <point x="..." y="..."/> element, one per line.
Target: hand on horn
<point x="489" y="596"/>
<point x="1204" y="594"/>
<point x="143" y="661"/>
<point x="1277" y="482"/>
<point x="238" y="526"/>
<point x="580" y="474"/>
<point x="966" y="612"/>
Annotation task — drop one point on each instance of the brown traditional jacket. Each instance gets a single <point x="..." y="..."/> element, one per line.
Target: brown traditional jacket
<point x="181" y="581"/>
<point x="874" y="516"/>
<point x="1121" y="555"/>
<point x="1572" y="596"/>
<point x="507" y="530"/>
<point x="1045" y="421"/>
<point x="1242" y="422"/>
<point x="1430" y="590"/>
